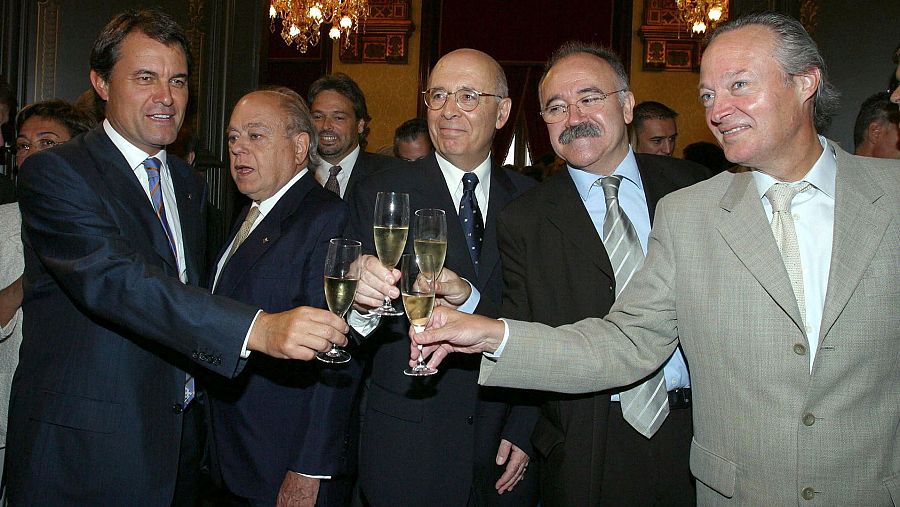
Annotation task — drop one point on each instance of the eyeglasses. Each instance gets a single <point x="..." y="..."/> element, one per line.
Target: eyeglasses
<point x="466" y="98"/>
<point x="556" y="113"/>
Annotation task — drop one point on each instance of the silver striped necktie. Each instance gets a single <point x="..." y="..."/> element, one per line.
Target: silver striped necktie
<point x="646" y="406"/>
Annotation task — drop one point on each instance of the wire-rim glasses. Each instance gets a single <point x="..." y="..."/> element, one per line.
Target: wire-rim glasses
<point x="555" y="113"/>
<point x="467" y="99"/>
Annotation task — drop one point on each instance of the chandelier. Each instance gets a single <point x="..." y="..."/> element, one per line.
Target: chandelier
<point x="301" y="20"/>
<point x="702" y="14"/>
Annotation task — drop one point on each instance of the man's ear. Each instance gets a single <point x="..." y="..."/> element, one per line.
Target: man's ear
<point x="808" y="83"/>
<point x="100" y="85"/>
<point x="301" y="148"/>
<point x="503" y="111"/>
<point x="873" y="132"/>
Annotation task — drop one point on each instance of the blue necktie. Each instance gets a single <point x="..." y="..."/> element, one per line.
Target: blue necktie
<point x="152" y="165"/>
<point x="470" y="218"/>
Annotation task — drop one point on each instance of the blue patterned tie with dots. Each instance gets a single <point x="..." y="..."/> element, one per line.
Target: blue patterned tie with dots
<point x="153" y="165"/>
<point x="470" y="218"/>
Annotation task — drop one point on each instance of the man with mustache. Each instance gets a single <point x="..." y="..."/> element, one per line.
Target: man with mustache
<point x="339" y="111"/>
<point x="557" y="271"/>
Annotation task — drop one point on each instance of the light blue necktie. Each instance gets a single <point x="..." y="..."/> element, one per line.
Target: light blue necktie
<point x="153" y="165"/>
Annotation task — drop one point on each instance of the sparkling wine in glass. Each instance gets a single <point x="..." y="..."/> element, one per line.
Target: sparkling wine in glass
<point x="430" y="235"/>
<point x="341" y="277"/>
<point x="417" y="275"/>
<point x="391" y="229"/>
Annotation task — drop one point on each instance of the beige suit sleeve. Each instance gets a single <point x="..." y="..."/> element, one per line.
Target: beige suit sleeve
<point x="637" y="336"/>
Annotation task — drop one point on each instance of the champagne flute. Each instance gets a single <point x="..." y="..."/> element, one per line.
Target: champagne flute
<point x="430" y="235"/>
<point x="341" y="277"/>
<point x="417" y="276"/>
<point x="391" y="230"/>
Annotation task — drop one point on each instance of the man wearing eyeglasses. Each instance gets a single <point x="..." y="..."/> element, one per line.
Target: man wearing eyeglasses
<point x="442" y="440"/>
<point x="559" y="267"/>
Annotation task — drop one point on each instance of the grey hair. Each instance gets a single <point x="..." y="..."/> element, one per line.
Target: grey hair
<point x="298" y="119"/>
<point x="574" y="47"/>
<point x="797" y="54"/>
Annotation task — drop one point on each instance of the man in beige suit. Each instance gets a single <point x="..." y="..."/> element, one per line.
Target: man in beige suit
<point x="789" y="320"/>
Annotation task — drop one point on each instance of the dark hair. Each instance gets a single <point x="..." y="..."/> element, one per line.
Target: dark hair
<point x="7" y="96"/>
<point x="410" y="130"/>
<point x="343" y="84"/>
<point x="298" y="118"/>
<point x="707" y="154"/>
<point x="153" y="23"/>
<point x="796" y="53"/>
<point x="876" y="108"/>
<point x="70" y="117"/>
<point x="574" y="47"/>
<point x="91" y="105"/>
<point x="650" y="110"/>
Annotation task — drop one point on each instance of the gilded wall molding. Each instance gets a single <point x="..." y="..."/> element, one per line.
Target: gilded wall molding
<point x="809" y="14"/>
<point x="46" y="47"/>
<point x="196" y="34"/>
<point x="384" y="37"/>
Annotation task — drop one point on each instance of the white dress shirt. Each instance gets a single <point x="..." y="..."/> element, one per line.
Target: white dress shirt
<point x="323" y="171"/>
<point x="135" y="158"/>
<point x="813" y="212"/>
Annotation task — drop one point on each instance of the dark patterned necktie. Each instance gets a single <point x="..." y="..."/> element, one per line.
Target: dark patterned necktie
<point x="332" y="183"/>
<point x="470" y="218"/>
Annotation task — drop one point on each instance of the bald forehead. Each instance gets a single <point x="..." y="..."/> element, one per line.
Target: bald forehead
<point x="470" y="62"/>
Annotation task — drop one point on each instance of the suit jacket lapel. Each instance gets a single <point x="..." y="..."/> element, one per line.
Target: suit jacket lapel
<point x="188" y="204"/>
<point x="263" y="236"/>
<point x="566" y="211"/>
<point x="125" y="187"/>
<point x="859" y="228"/>
<point x="502" y="192"/>
<point x="744" y="227"/>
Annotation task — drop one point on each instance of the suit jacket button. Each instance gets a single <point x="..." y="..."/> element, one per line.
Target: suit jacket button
<point x="177" y="408"/>
<point x="470" y="420"/>
<point x="799" y="349"/>
<point x="809" y="420"/>
<point x="808" y="493"/>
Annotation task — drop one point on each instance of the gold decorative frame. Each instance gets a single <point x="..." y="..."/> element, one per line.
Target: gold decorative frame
<point x="668" y="44"/>
<point x="384" y="36"/>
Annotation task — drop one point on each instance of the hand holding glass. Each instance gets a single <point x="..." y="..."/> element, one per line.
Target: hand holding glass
<point x="341" y="278"/>
<point x="391" y="229"/>
<point x="417" y="276"/>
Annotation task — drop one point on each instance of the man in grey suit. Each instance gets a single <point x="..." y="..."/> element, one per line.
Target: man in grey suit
<point x="790" y="327"/>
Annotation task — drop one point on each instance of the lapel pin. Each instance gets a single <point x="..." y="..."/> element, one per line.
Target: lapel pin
<point x="265" y="240"/>
<point x="190" y="196"/>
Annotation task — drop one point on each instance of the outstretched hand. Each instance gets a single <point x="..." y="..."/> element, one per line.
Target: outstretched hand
<point x="297" y="333"/>
<point x="453" y="331"/>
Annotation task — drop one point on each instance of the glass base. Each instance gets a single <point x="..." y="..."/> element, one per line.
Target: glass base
<point x="387" y="310"/>
<point x="419" y="370"/>
<point x="333" y="356"/>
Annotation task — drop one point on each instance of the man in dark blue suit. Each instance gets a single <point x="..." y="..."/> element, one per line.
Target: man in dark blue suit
<point x="113" y="315"/>
<point x="280" y="425"/>
<point x="469" y="446"/>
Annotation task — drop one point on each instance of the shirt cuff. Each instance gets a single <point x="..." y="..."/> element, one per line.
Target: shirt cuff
<point x="244" y="352"/>
<point x="493" y="356"/>
<point x="314" y="476"/>
<point x="363" y="324"/>
<point x="471" y="303"/>
<point x="7" y="330"/>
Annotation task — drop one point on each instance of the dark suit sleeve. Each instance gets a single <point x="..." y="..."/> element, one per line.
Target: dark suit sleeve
<point x="322" y="449"/>
<point x="77" y="235"/>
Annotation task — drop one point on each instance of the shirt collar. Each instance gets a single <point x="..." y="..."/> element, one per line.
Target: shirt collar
<point x="822" y="175"/>
<point x="347" y="163"/>
<point x="627" y="169"/>
<point x="453" y="175"/>
<point x="133" y="155"/>
<point x="266" y="205"/>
